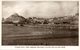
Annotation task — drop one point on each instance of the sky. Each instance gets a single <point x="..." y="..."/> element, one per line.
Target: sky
<point x="45" y="9"/>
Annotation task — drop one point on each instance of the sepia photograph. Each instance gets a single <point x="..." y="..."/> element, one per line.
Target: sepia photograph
<point x="44" y="23"/>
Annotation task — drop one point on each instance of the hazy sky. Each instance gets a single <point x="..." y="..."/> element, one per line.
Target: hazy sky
<point x="39" y="8"/>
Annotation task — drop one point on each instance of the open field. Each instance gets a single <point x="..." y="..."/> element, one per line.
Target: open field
<point x="39" y="35"/>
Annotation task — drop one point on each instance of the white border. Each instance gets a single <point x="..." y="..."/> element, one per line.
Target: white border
<point x="37" y="47"/>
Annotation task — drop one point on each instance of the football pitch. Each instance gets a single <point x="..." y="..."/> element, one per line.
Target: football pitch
<point x="39" y="35"/>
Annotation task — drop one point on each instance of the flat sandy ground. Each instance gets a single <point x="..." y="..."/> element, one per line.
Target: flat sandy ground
<point x="39" y="35"/>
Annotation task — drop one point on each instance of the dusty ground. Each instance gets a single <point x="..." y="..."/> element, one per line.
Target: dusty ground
<point x="39" y="35"/>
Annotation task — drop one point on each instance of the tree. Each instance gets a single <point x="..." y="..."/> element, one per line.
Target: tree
<point x="45" y="22"/>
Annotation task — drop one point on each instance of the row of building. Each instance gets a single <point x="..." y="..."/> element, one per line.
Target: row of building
<point x="15" y="18"/>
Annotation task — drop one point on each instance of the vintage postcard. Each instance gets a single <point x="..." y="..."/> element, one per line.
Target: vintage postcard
<point x="40" y="23"/>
